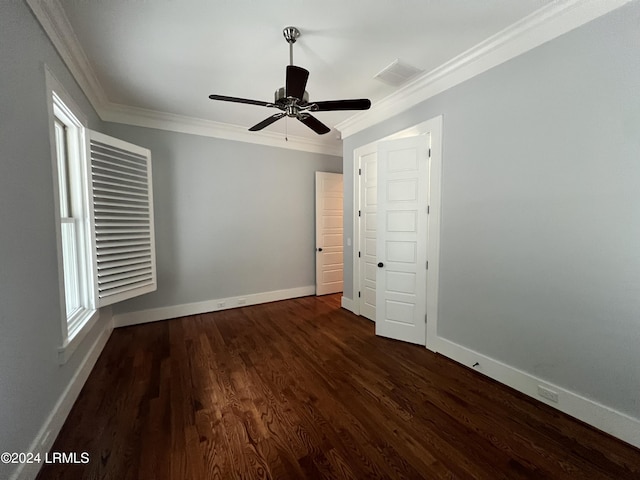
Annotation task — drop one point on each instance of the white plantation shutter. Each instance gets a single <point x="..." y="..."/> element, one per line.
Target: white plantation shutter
<point x="122" y="219"/>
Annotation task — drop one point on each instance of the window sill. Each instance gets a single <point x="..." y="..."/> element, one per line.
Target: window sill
<point x="90" y="317"/>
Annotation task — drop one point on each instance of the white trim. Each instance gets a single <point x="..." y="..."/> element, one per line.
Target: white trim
<point x="55" y="23"/>
<point x="539" y="27"/>
<point x="347" y="304"/>
<point x="433" y="225"/>
<point x="53" y="19"/>
<point x="54" y="86"/>
<point x="61" y="105"/>
<point x="175" y="311"/>
<point x="47" y="434"/>
<point x="358" y="153"/>
<point x="208" y="128"/>
<point x="600" y="416"/>
<point x="71" y="343"/>
<point x="544" y="24"/>
<point x="433" y="127"/>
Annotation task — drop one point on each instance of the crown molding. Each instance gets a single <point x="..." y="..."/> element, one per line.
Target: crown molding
<point x="539" y="27"/>
<point x="197" y="126"/>
<point x="56" y="25"/>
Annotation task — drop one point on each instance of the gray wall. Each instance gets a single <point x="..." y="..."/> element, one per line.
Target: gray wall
<point x="232" y="218"/>
<point x="30" y="379"/>
<point x="540" y="235"/>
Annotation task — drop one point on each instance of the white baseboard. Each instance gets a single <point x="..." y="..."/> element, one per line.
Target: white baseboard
<point x="604" y="418"/>
<point x="52" y="425"/>
<point x="175" y="311"/>
<point x="347" y="303"/>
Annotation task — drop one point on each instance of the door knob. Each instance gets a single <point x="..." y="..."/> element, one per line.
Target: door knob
<point x="320" y="249"/>
<point x="380" y="264"/>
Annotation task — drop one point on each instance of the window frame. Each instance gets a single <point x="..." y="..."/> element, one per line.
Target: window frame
<point x="61" y="106"/>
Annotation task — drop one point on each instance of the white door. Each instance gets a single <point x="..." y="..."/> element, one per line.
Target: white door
<point x="401" y="306"/>
<point x="329" y="250"/>
<point x="368" y="211"/>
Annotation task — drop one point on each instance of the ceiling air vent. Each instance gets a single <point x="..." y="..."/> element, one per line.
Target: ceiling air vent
<point x="397" y="73"/>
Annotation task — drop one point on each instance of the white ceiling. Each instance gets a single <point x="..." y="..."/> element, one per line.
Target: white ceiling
<point x="168" y="56"/>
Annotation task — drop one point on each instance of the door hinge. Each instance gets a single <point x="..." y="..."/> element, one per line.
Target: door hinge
<point x="427" y="264"/>
<point x="359" y="171"/>
<point x="358" y="294"/>
<point x="359" y="255"/>
<point x="427" y="209"/>
<point x="425" y="318"/>
<point x="429" y="152"/>
<point x="359" y="213"/>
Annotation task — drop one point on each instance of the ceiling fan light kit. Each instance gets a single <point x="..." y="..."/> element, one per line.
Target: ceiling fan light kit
<point x="293" y="99"/>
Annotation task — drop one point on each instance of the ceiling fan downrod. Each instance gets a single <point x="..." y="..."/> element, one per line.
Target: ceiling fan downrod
<point x="291" y="34"/>
<point x="293" y="100"/>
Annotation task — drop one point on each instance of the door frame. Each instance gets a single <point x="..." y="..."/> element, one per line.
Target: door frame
<point x="363" y="151"/>
<point x="433" y="127"/>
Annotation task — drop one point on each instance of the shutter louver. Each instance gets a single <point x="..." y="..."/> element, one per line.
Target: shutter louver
<point x="122" y="217"/>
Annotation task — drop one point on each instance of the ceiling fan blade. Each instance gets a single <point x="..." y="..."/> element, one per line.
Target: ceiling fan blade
<point x="240" y="100"/>
<point x="332" y="105"/>
<point x="266" y="122"/>
<point x="314" y="124"/>
<point x="296" y="81"/>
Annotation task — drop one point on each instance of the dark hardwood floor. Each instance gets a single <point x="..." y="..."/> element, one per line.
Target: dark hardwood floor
<point x="303" y="389"/>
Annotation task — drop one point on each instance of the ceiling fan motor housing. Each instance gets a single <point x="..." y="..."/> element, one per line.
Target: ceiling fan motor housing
<point x="282" y="101"/>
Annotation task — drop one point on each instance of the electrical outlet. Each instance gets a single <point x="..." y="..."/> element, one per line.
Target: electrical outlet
<point x="222" y="304"/>
<point x="242" y="301"/>
<point x="544" y="392"/>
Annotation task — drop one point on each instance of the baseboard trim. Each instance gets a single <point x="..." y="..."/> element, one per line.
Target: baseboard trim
<point x="175" y="311"/>
<point x="54" y="422"/>
<point x="599" y="416"/>
<point x="347" y="304"/>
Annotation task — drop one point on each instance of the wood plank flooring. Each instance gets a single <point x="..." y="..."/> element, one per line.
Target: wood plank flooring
<point x="303" y="389"/>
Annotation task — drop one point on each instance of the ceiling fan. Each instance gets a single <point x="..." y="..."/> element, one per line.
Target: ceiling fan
<point x="293" y="99"/>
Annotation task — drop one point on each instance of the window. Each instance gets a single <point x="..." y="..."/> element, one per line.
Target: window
<point x="69" y="141"/>
<point x="105" y="218"/>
